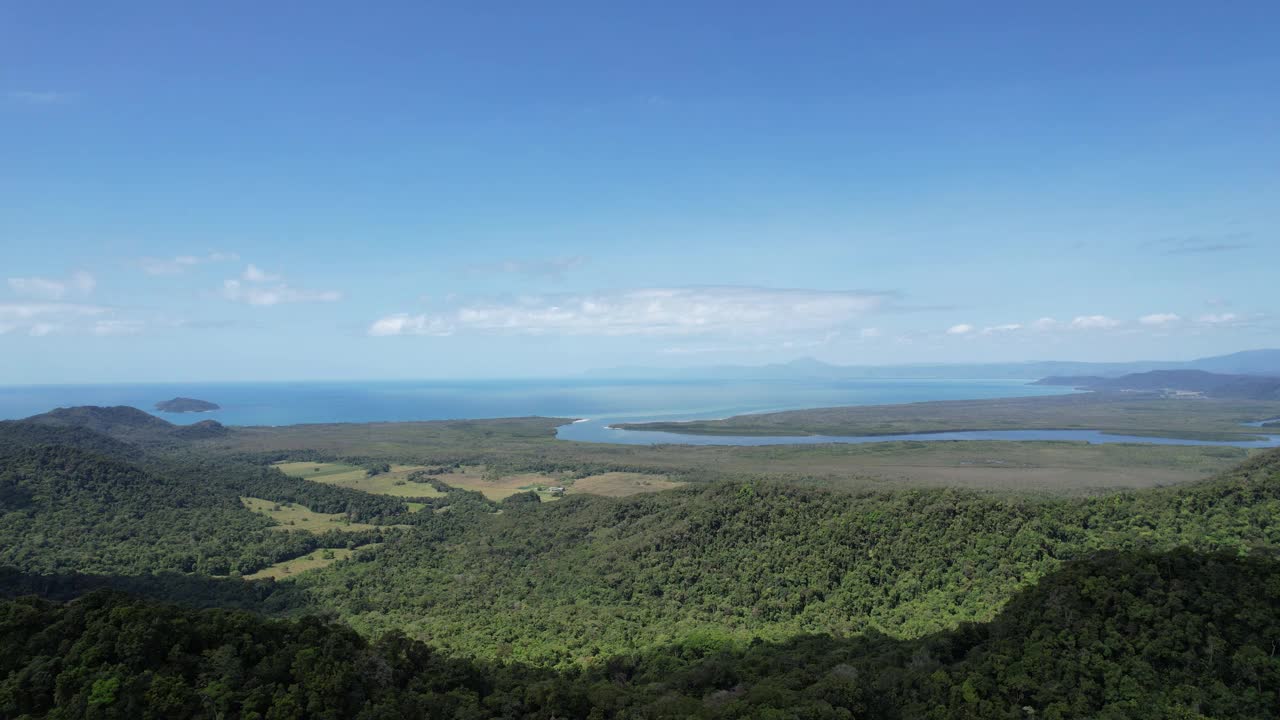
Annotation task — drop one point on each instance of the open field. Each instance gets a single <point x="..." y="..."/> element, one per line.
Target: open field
<point x="474" y="477"/>
<point x="1120" y="413"/>
<point x="497" y="487"/>
<point x="620" y="484"/>
<point x="312" y="561"/>
<point x="394" y="483"/>
<point x="293" y="517"/>
<point x="334" y="473"/>
<point x="528" y="445"/>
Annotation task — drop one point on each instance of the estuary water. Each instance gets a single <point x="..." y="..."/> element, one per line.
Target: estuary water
<point x="599" y="431"/>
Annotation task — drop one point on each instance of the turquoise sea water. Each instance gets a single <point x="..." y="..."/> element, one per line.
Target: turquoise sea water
<point x="324" y="402"/>
<point x="598" y="402"/>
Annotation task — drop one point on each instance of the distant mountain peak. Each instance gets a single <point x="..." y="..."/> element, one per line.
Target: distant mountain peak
<point x="126" y="423"/>
<point x="809" y="363"/>
<point x="1248" y="362"/>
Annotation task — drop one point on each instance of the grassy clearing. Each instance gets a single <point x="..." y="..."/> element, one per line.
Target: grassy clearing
<point x="620" y="484"/>
<point x="296" y="566"/>
<point x="321" y="471"/>
<point x="475" y="477"/>
<point x="612" y="484"/>
<point x="317" y="559"/>
<point x="1057" y="468"/>
<point x="292" y="517"/>
<point x="397" y="484"/>
<point x="394" y="483"/>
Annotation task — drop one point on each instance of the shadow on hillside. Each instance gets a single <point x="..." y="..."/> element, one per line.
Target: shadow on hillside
<point x="1119" y="635"/>
<point x="195" y="591"/>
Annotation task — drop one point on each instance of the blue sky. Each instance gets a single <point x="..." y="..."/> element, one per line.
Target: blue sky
<point x="252" y="191"/>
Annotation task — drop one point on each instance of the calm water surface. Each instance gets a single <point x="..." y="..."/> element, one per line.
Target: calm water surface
<point x="598" y="402"/>
<point x="597" y="431"/>
<point x="292" y="403"/>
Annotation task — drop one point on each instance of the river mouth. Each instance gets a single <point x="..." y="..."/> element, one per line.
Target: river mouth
<point x="599" y="431"/>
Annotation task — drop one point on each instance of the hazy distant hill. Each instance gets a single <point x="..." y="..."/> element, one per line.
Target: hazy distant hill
<point x="1250" y="387"/>
<point x="185" y="405"/>
<point x="114" y="421"/>
<point x="126" y="423"/>
<point x="1251" y="362"/>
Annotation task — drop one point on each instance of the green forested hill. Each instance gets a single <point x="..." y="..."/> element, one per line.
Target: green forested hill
<point x="1120" y="636"/>
<point x="121" y="422"/>
<point x="563" y="583"/>
<point x="74" y="500"/>
<point x="731" y="599"/>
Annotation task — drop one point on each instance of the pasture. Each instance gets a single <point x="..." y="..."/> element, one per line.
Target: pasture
<point x="311" y="561"/>
<point x="473" y="477"/>
<point x="394" y="483"/>
<point x="525" y="445"/>
<point x="621" y="484"/>
<point x="292" y="517"/>
<point x="498" y="486"/>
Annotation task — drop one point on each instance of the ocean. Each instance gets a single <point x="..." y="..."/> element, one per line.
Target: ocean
<point x="596" y="402"/>
<point x="277" y="403"/>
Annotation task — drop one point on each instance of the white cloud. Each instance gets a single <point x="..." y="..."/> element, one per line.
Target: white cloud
<point x="182" y="263"/>
<point x="45" y="318"/>
<point x="252" y="289"/>
<point x="740" y="311"/>
<point x="1155" y="322"/>
<point x="81" y="283"/>
<point x="26" y="311"/>
<point x="871" y="333"/>
<point x="39" y="319"/>
<point x="255" y="274"/>
<point x="680" y="350"/>
<point x="1094" y="322"/>
<point x="104" y="328"/>
<point x="1006" y="328"/>
<point x="1160" y="319"/>
<point x="237" y="291"/>
<point x="1219" y="319"/>
<point x="405" y="324"/>
<point x="37" y="287"/>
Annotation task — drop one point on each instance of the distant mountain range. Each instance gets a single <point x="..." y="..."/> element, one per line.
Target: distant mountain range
<point x="1250" y="387"/>
<point x="1249" y="362"/>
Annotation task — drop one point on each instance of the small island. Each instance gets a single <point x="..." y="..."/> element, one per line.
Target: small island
<point x="186" y="405"/>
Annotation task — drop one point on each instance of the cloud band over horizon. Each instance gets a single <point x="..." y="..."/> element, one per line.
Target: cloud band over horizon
<point x="728" y="310"/>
